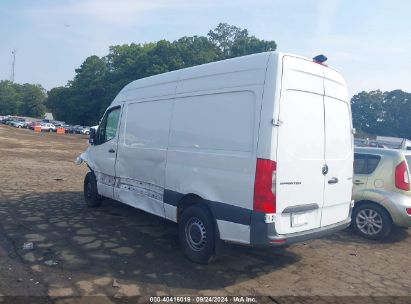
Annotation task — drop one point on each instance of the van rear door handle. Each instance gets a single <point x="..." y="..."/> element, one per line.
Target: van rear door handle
<point x="334" y="180"/>
<point x="111" y="151"/>
<point x="324" y="169"/>
<point x="358" y="182"/>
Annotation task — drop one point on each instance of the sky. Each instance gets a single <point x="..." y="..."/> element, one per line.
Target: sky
<point x="368" y="41"/>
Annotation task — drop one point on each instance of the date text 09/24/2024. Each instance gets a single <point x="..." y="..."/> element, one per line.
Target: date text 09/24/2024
<point x="202" y="299"/>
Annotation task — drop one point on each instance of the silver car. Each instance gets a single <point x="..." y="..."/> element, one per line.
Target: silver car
<point x="381" y="191"/>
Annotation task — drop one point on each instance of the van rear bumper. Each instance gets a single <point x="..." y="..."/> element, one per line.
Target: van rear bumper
<point x="262" y="234"/>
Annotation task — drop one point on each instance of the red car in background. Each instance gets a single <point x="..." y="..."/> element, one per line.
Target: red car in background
<point x="33" y="124"/>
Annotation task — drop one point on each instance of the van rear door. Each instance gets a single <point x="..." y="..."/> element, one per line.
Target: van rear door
<point x="314" y="148"/>
<point x="338" y="149"/>
<point x="300" y="147"/>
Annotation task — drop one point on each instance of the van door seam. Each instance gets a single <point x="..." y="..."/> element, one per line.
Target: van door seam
<point x="173" y="100"/>
<point x="325" y="147"/>
<point x="261" y="105"/>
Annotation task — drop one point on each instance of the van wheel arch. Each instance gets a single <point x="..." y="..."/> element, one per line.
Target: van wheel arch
<point x="191" y="199"/>
<point x="197" y="229"/>
<point x="187" y="201"/>
<point x="91" y="196"/>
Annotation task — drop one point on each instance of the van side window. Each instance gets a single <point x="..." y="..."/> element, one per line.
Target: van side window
<point x="365" y="163"/>
<point x="108" y="126"/>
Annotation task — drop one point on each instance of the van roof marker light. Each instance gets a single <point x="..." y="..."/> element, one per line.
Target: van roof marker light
<point x="321" y="59"/>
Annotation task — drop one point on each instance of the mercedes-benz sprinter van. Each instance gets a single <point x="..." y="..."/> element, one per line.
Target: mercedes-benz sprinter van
<point x="256" y="150"/>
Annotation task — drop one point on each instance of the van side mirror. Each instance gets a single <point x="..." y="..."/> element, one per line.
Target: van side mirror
<point x="92" y="137"/>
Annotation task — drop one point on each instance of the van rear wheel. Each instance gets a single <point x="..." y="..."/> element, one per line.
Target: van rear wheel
<point x="91" y="196"/>
<point x="197" y="235"/>
<point x="371" y="221"/>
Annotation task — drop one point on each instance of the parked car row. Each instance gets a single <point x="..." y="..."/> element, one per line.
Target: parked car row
<point x="384" y="142"/>
<point x="12" y="121"/>
<point x="46" y="125"/>
<point x="77" y="130"/>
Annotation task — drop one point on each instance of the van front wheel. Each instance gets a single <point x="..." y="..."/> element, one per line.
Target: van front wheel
<point x="91" y="196"/>
<point x="196" y="233"/>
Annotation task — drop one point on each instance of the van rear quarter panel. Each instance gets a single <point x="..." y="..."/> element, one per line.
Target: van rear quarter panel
<point x="212" y="154"/>
<point x="212" y="146"/>
<point x="267" y="136"/>
<point x="213" y="139"/>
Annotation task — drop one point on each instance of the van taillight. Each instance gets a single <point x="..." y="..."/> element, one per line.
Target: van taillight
<point x="264" y="186"/>
<point x="401" y="177"/>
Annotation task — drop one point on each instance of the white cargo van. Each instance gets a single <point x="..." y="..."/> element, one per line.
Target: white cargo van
<point x="254" y="150"/>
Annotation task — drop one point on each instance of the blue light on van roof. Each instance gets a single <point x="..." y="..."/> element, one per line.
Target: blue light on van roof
<point x="320" y="58"/>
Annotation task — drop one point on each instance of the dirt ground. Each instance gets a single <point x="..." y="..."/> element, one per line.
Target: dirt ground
<point x="116" y="251"/>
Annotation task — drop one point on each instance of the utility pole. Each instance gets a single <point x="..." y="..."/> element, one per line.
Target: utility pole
<point x="12" y="66"/>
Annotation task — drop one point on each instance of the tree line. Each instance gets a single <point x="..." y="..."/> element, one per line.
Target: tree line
<point x="382" y="113"/>
<point x="22" y="99"/>
<point x="99" y="79"/>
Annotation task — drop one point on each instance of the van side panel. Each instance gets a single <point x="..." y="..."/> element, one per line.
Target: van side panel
<point x="142" y="149"/>
<point x="212" y="154"/>
<point x="234" y="232"/>
<point x="199" y="131"/>
<point x="236" y="72"/>
<point x="211" y="147"/>
<point x="155" y="87"/>
<point x="215" y="123"/>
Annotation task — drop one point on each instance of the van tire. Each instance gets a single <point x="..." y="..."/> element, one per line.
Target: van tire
<point x="91" y="196"/>
<point x="380" y="216"/>
<point x="197" y="235"/>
